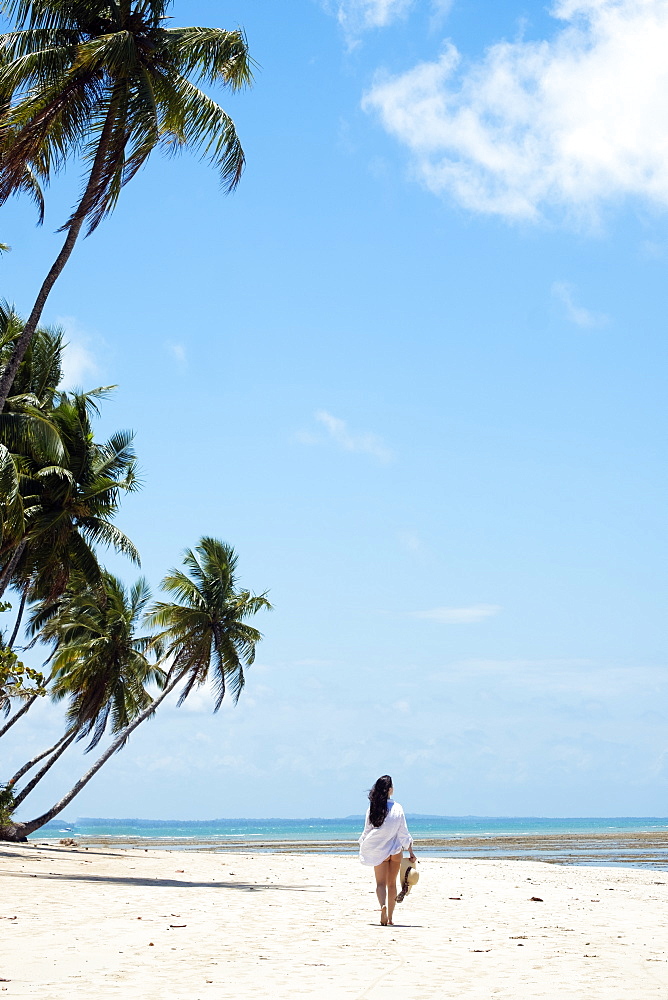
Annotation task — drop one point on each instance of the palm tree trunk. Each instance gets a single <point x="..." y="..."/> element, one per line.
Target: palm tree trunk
<point x="73" y="230"/>
<point x="18" y="799"/>
<point x="10" y="566"/>
<point x="19" y="831"/>
<point x="24" y="597"/>
<point x="29" y="764"/>
<point x="17" y="715"/>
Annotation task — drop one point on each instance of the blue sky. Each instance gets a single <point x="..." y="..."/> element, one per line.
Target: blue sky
<point x="414" y="370"/>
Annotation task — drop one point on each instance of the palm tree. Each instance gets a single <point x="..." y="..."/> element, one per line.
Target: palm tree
<point x="53" y="475"/>
<point x="66" y="510"/>
<point x="25" y="423"/>
<point x="206" y="637"/>
<point x="107" y="80"/>
<point x="69" y="506"/>
<point x="205" y="630"/>
<point x="99" y="662"/>
<point x="59" y="488"/>
<point x="25" y="428"/>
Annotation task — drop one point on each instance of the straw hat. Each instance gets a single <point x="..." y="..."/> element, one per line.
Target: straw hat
<point x="408" y="877"/>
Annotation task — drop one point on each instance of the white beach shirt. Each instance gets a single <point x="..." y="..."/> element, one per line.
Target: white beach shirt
<point x="377" y="843"/>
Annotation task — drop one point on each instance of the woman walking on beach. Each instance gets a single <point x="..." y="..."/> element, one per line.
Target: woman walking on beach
<point x="382" y="843"/>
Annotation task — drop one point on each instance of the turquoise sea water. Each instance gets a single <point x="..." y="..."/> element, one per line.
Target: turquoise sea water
<point x="629" y="841"/>
<point x="345" y="829"/>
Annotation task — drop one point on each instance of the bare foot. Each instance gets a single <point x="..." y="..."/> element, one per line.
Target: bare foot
<point x="383" y="916"/>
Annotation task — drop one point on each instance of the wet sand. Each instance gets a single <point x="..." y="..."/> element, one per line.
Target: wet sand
<point x="635" y="848"/>
<point x="79" y="924"/>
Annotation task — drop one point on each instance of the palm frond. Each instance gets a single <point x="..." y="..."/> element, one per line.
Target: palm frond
<point x="116" y="454"/>
<point x="32" y="432"/>
<point x="99" y="531"/>
<point x="47" y="14"/>
<point x="15" y="44"/>
<point x="212" y="54"/>
<point x="54" y="125"/>
<point x="32" y="59"/>
<point x="83" y="559"/>
<point x="12" y="520"/>
<point x="115" y="54"/>
<point x="190" y="118"/>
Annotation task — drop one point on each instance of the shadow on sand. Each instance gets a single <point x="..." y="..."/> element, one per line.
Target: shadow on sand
<point x="171" y="883"/>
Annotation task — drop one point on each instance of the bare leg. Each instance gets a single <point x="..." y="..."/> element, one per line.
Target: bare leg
<point x="393" y="866"/>
<point x="381" y="872"/>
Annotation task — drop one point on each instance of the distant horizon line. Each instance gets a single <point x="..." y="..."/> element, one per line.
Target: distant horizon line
<point x="351" y="816"/>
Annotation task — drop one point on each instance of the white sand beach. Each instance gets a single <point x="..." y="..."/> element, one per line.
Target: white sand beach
<point x="80" y="924"/>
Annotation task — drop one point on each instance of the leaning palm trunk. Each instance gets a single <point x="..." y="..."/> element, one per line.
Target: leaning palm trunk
<point x="29" y="764"/>
<point x="25" y="792"/>
<point x="73" y="230"/>
<point x="19" y="617"/>
<point x="19" y="831"/>
<point x="6" y="577"/>
<point x="17" y="715"/>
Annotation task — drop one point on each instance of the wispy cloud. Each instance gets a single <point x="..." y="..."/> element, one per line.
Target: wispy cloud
<point x="411" y="542"/>
<point x="577" y="314"/>
<point x="338" y="431"/>
<point x="80" y="367"/>
<point x="358" y="16"/>
<point x="440" y="10"/>
<point x="177" y="351"/>
<point x="459" y="616"/>
<point x="566" y="123"/>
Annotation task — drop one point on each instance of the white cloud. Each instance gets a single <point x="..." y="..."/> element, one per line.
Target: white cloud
<point x="459" y="616"/>
<point x="177" y="351"/>
<point x="440" y="10"/>
<point x="357" y="16"/>
<point x="360" y="441"/>
<point x="577" y="314"/>
<point x="568" y="123"/>
<point x="80" y="367"/>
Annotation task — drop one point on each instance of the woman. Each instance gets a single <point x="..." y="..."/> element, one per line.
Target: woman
<point x="384" y="840"/>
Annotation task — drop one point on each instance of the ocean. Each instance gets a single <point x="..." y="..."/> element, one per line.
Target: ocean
<point x="630" y="841"/>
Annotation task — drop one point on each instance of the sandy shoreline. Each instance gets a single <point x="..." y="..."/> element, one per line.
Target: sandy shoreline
<point x="85" y="924"/>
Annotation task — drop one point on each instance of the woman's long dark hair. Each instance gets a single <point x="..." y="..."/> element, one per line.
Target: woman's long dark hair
<point x="378" y="797"/>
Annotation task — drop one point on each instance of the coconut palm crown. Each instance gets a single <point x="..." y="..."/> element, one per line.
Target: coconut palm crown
<point x="110" y="80"/>
<point x="69" y="506"/>
<point x="100" y="663"/>
<point x="205" y="631"/>
<point x="25" y="423"/>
